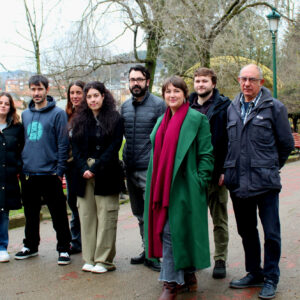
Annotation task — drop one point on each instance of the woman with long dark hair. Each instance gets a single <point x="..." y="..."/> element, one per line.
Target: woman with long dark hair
<point x="11" y="145"/>
<point x="97" y="133"/>
<point x="74" y="98"/>
<point x="179" y="170"/>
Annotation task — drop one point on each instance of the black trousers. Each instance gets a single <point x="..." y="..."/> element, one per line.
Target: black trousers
<point x="46" y="188"/>
<point x="267" y="206"/>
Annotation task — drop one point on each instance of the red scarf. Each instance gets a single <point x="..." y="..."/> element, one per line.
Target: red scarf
<point x="165" y="146"/>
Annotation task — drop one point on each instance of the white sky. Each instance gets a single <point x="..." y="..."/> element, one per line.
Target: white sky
<point x="13" y="20"/>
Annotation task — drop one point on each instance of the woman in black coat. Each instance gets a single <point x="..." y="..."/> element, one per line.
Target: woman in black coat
<point x="11" y="144"/>
<point x="97" y="134"/>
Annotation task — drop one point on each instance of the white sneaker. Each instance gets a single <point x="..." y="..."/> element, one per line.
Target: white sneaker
<point x="4" y="256"/>
<point x="87" y="268"/>
<point x="63" y="258"/>
<point x="99" y="269"/>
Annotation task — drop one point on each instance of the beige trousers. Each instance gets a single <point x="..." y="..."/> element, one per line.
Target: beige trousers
<point x="98" y="223"/>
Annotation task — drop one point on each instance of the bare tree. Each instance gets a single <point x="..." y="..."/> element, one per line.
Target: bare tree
<point x="35" y="23"/>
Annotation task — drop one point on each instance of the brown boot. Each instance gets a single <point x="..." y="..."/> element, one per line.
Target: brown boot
<point x="190" y="283"/>
<point x="169" y="291"/>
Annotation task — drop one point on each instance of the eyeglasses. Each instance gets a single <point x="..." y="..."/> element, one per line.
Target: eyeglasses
<point x="138" y="80"/>
<point x="250" y="79"/>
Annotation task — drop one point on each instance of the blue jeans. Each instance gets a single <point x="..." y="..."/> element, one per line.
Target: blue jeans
<point x="168" y="272"/>
<point x="4" y="221"/>
<point x="245" y="211"/>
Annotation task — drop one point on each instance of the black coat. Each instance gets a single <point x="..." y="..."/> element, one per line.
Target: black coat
<point x="257" y="149"/>
<point x="11" y="145"/>
<point x="105" y="150"/>
<point x="217" y="116"/>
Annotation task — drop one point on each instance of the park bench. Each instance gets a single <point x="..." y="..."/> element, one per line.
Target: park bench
<point x="296" y="137"/>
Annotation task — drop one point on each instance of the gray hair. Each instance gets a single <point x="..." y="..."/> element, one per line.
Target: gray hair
<point x="257" y="67"/>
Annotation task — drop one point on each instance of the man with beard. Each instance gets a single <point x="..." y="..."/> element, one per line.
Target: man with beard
<point x="208" y="101"/>
<point x="140" y="113"/>
<point x="44" y="162"/>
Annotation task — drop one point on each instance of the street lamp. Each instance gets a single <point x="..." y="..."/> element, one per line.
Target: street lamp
<point x="273" y="19"/>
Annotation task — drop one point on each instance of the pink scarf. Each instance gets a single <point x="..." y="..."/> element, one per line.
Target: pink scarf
<point x="165" y="146"/>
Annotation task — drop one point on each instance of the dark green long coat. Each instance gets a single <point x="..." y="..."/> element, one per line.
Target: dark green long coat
<point x="192" y="171"/>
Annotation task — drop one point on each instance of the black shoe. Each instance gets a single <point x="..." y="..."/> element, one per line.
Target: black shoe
<point x="63" y="258"/>
<point x="26" y="253"/>
<point x="138" y="259"/>
<point x="153" y="265"/>
<point x="74" y="250"/>
<point x="219" y="269"/>
<point x="247" y="282"/>
<point x="269" y="289"/>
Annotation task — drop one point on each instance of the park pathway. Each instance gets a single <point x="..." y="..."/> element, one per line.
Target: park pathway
<point x="41" y="278"/>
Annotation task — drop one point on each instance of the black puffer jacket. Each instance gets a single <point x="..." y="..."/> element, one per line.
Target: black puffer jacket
<point x="11" y="145"/>
<point x="217" y="116"/>
<point x="258" y="148"/>
<point x="139" y="120"/>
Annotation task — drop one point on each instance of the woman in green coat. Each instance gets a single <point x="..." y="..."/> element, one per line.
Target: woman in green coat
<point x="180" y="168"/>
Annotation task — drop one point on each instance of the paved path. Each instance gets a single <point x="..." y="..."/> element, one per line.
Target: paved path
<point x="41" y="278"/>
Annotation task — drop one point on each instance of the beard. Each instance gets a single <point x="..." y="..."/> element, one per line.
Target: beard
<point x="138" y="91"/>
<point x="204" y="94"/>
<point x="39" y="100"/>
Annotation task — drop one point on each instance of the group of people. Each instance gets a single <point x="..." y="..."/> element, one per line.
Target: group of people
<point x="178" y="164"/>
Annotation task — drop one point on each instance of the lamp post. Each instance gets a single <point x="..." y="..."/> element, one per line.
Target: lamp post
<point x="273" y="19"/>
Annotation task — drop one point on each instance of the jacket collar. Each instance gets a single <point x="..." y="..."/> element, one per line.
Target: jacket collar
<point x="218" y="102"/>
<point x="266" y="100"/>
<point x="187" y="135"/>
<point x="135" y="102"/>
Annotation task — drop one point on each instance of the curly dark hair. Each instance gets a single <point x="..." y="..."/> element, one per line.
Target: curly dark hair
<point x="84" y="118"/>
<point x="69" y="107"/>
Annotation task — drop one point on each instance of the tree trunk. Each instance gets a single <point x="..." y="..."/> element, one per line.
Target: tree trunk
<point x="153" y="42"/>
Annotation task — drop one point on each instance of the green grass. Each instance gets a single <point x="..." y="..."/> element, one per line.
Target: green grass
<point x="121" y="150"/>
<point x="16" y="212"/>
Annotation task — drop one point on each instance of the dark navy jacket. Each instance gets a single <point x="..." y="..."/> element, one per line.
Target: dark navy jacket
<point x="217" y="116"/>
<point x="257" y="149"/>
<point x="46" y="140"/>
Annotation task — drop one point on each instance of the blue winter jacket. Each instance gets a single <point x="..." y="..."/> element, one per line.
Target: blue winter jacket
<point x="257" y="149"/>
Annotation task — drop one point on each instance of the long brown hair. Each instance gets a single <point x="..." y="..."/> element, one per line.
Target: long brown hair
<point x="12" y="110"/>
<point x="69" y="106"/>
<point x="107" y="117"/>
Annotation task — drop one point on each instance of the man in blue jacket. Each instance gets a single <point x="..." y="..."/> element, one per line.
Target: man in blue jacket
<point x="260" y="141"/>
<point x="207" y="100"/>
<point x="44" y="161"/>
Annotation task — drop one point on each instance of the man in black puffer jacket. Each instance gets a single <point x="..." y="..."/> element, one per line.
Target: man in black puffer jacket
<point x="140" y="113"/>
<point x="208" y="101"/>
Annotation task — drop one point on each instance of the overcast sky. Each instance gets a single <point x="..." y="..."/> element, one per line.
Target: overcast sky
<point x="13" y="20"/>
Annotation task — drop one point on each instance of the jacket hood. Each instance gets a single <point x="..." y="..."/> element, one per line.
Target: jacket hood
<point x="219" y="100"/>
<point x="50" y="104"/>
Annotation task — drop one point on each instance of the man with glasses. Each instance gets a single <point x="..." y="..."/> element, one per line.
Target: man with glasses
<point x="140" y="113"/>
<point x="260" y="141"/>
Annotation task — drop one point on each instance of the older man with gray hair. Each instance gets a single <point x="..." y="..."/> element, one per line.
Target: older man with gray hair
<point x="260" y="141"/>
